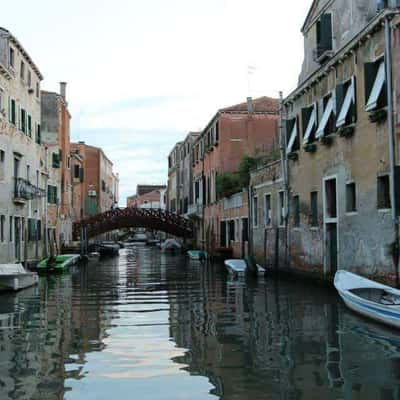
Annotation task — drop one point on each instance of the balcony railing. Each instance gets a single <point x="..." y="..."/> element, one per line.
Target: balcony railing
<point x="322" y="53"/>
<point x="26" y="191"/>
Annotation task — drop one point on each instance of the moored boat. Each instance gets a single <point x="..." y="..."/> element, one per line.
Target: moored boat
<point x="197" y="255"/>
<point x="15" y="277"/>
<point x="368" y="298"/>
<point x="236" y="267"/>
<point x="171" y="246"/>
<point x="239" y="267"/>
<point x="58" y="263"/>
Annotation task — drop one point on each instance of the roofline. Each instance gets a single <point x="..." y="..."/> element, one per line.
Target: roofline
<point x="99" y="149"/>
<point x="19" y="46"/>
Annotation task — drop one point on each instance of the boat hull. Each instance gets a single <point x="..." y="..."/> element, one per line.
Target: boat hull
<point x="63" y="262"/>
<point x="236" y="267"/>
<point x="386" y="314"/>
<point x="18" y="282"/>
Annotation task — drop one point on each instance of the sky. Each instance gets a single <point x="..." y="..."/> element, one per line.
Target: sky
<point x="142" y="74"/>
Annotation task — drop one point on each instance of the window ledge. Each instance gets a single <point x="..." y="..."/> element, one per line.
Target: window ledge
<point x="351" y="213"/>
<point x="310" y="147"/>
<point x="346" y="130"/>
<point x="328" y="139"/>
<point x="384" y="210"/>
<point x="314" y="228"/>
<point x="378" y="116"/>
<point x="294" y="156"/>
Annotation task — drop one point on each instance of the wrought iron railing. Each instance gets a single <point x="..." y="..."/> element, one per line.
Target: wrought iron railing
<point x="25" y="190"/>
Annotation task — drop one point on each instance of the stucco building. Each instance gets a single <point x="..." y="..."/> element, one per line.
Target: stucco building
<point x="23" y="175"/>
<point x="56" y="139"/>
<point x="336" y="194"/>
<point x="173" y="192"/>
<point x="148" y="196"/>
<point x="98" y="189"/>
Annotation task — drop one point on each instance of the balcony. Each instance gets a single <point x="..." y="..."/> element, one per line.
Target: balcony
<point x="24" y="191"/>
<point x="195" y="210"/>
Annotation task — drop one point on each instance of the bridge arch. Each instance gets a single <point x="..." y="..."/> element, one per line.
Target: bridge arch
<point x="132" y="217"/>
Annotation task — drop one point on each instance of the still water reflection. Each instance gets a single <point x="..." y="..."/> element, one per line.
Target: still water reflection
<point x="150" y="326"/>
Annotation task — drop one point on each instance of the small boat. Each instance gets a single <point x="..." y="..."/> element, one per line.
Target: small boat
<point x="58" y="263"/>
<point x="197" y="255"/>
<point x="171" y="245"/>
<point x="105" y="248"/>
<point x="371" y="299"/>
<point x="236" y="267"/>
<point x="15" y="277"/>
<point x="93" y="256"/>
<point x="239" y="267"/>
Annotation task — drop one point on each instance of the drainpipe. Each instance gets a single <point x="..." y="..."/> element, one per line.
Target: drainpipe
<point x="284" y="161"/>
<point x="389" y="89"/>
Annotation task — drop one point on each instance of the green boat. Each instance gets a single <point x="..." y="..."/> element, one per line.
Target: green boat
<point x="62" y="262"/>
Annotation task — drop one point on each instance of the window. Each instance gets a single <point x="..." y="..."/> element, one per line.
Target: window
<point x="324" y="36"/>
<point x="23" y="121"/>
<point x="2" y="228"/>
<point x="55" y="160"/>
<point x="52" y="194"/>
<point x="12" y="57"/>
<point x="12" y="114"/>
<point x="103" y="186"/>
<point x="231" y="231"/>
<point x="37" y="89"/>
<point x="314" y="209"/>
<point x="31" y="230"/>
<point x="39" y="229"/>
<point x="292" y="135"/>
<point x="217" y="132"/>
<point x="281" y="208"/>
<point x="330" y="198"/>
<point x="296" y="211"/>
<point x="255" y="211"/>
<point x="2" y="165"/>
<point x="245" y="230"/>
<point x="383" y="192"/>
<point x="1" y="102"/>
<point x="38" y="134"/>
<point x="346" y="103"/>
<point x="29" y="78"/>
<point x="268" y="214"/>
<point x="375" y="77"/>
<point x="29" y="126"/>
<point x="327" y="123"/>
<point x="351" y="205"/>
<point x="11" y="229"/>
<point x="22" y="71"/>
<point x="81" y="175"/>
<point x="76" y="171"/>
<point x="310" y="120"/>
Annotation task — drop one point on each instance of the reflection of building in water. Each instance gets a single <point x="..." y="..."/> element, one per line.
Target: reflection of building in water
<point x="46" y="333"/>
<point x="279" y="340"/>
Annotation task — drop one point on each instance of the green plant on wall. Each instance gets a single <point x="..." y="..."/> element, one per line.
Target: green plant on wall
<point x="228" y="184"/>
<point x="246" y="165"/>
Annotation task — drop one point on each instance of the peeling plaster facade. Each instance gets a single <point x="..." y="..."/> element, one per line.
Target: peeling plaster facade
<point x="338" y="204"/>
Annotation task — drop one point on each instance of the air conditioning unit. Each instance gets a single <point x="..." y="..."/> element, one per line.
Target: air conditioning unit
<point x="92" y="193"/>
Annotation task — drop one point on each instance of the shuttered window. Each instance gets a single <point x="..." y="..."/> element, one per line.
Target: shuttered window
<point x="292" y="135"/>
<point x="52" y="194"/>
<point x="324" y="34"/>
<point x="326" y="124"/>
<point x="375" y="78"/>
<point x="346" y="103"/>
<point x="310" y="120"/>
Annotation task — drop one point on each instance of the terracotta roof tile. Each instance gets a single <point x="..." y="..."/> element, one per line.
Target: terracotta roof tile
<point x="260" y="104"/>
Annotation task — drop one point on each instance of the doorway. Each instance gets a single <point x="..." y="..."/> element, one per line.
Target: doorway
<point x="331" y="225"/>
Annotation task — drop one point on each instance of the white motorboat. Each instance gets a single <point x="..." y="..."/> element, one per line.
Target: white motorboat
<point x="15" y="277"/>
<point x="236" y="267"/>
<point x="171" y="245"/>
<point x="371" y="299"/>
<point x="239" y="267"/>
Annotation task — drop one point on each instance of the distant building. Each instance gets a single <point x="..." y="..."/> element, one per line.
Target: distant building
<point x="23" y="167"/>
<point x="173" y="193"/>
<point x="56" y="138"/>
<point x="148" y="196"/>
<point x="99" y="187"/>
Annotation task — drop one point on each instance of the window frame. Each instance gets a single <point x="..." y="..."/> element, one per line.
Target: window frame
<point x="355" y="210"/>
<point x="268" y="214"/>
<point x="349" y="99"/>
<point x="372" y="98"/>
<point x="255" y="216"/>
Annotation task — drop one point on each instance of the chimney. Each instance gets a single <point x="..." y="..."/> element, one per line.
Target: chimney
<point x="250" y="106"/>
<point x="63" y="90"/>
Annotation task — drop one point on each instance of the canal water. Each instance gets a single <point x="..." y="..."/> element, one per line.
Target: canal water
<point x="145" y="325"/>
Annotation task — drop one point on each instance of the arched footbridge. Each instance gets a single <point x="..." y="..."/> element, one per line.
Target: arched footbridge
<point x="130" y="217"/>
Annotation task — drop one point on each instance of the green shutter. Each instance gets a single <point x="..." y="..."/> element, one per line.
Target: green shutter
<point x="340" y="94"/>
<point x="326" y="31"/>
<point x="370" y="71"/>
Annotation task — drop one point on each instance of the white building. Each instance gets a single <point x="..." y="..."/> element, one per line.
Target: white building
<point x="23" y="176"/>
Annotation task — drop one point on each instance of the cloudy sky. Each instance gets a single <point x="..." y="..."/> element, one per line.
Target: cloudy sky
<point x="141" y="74"/>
